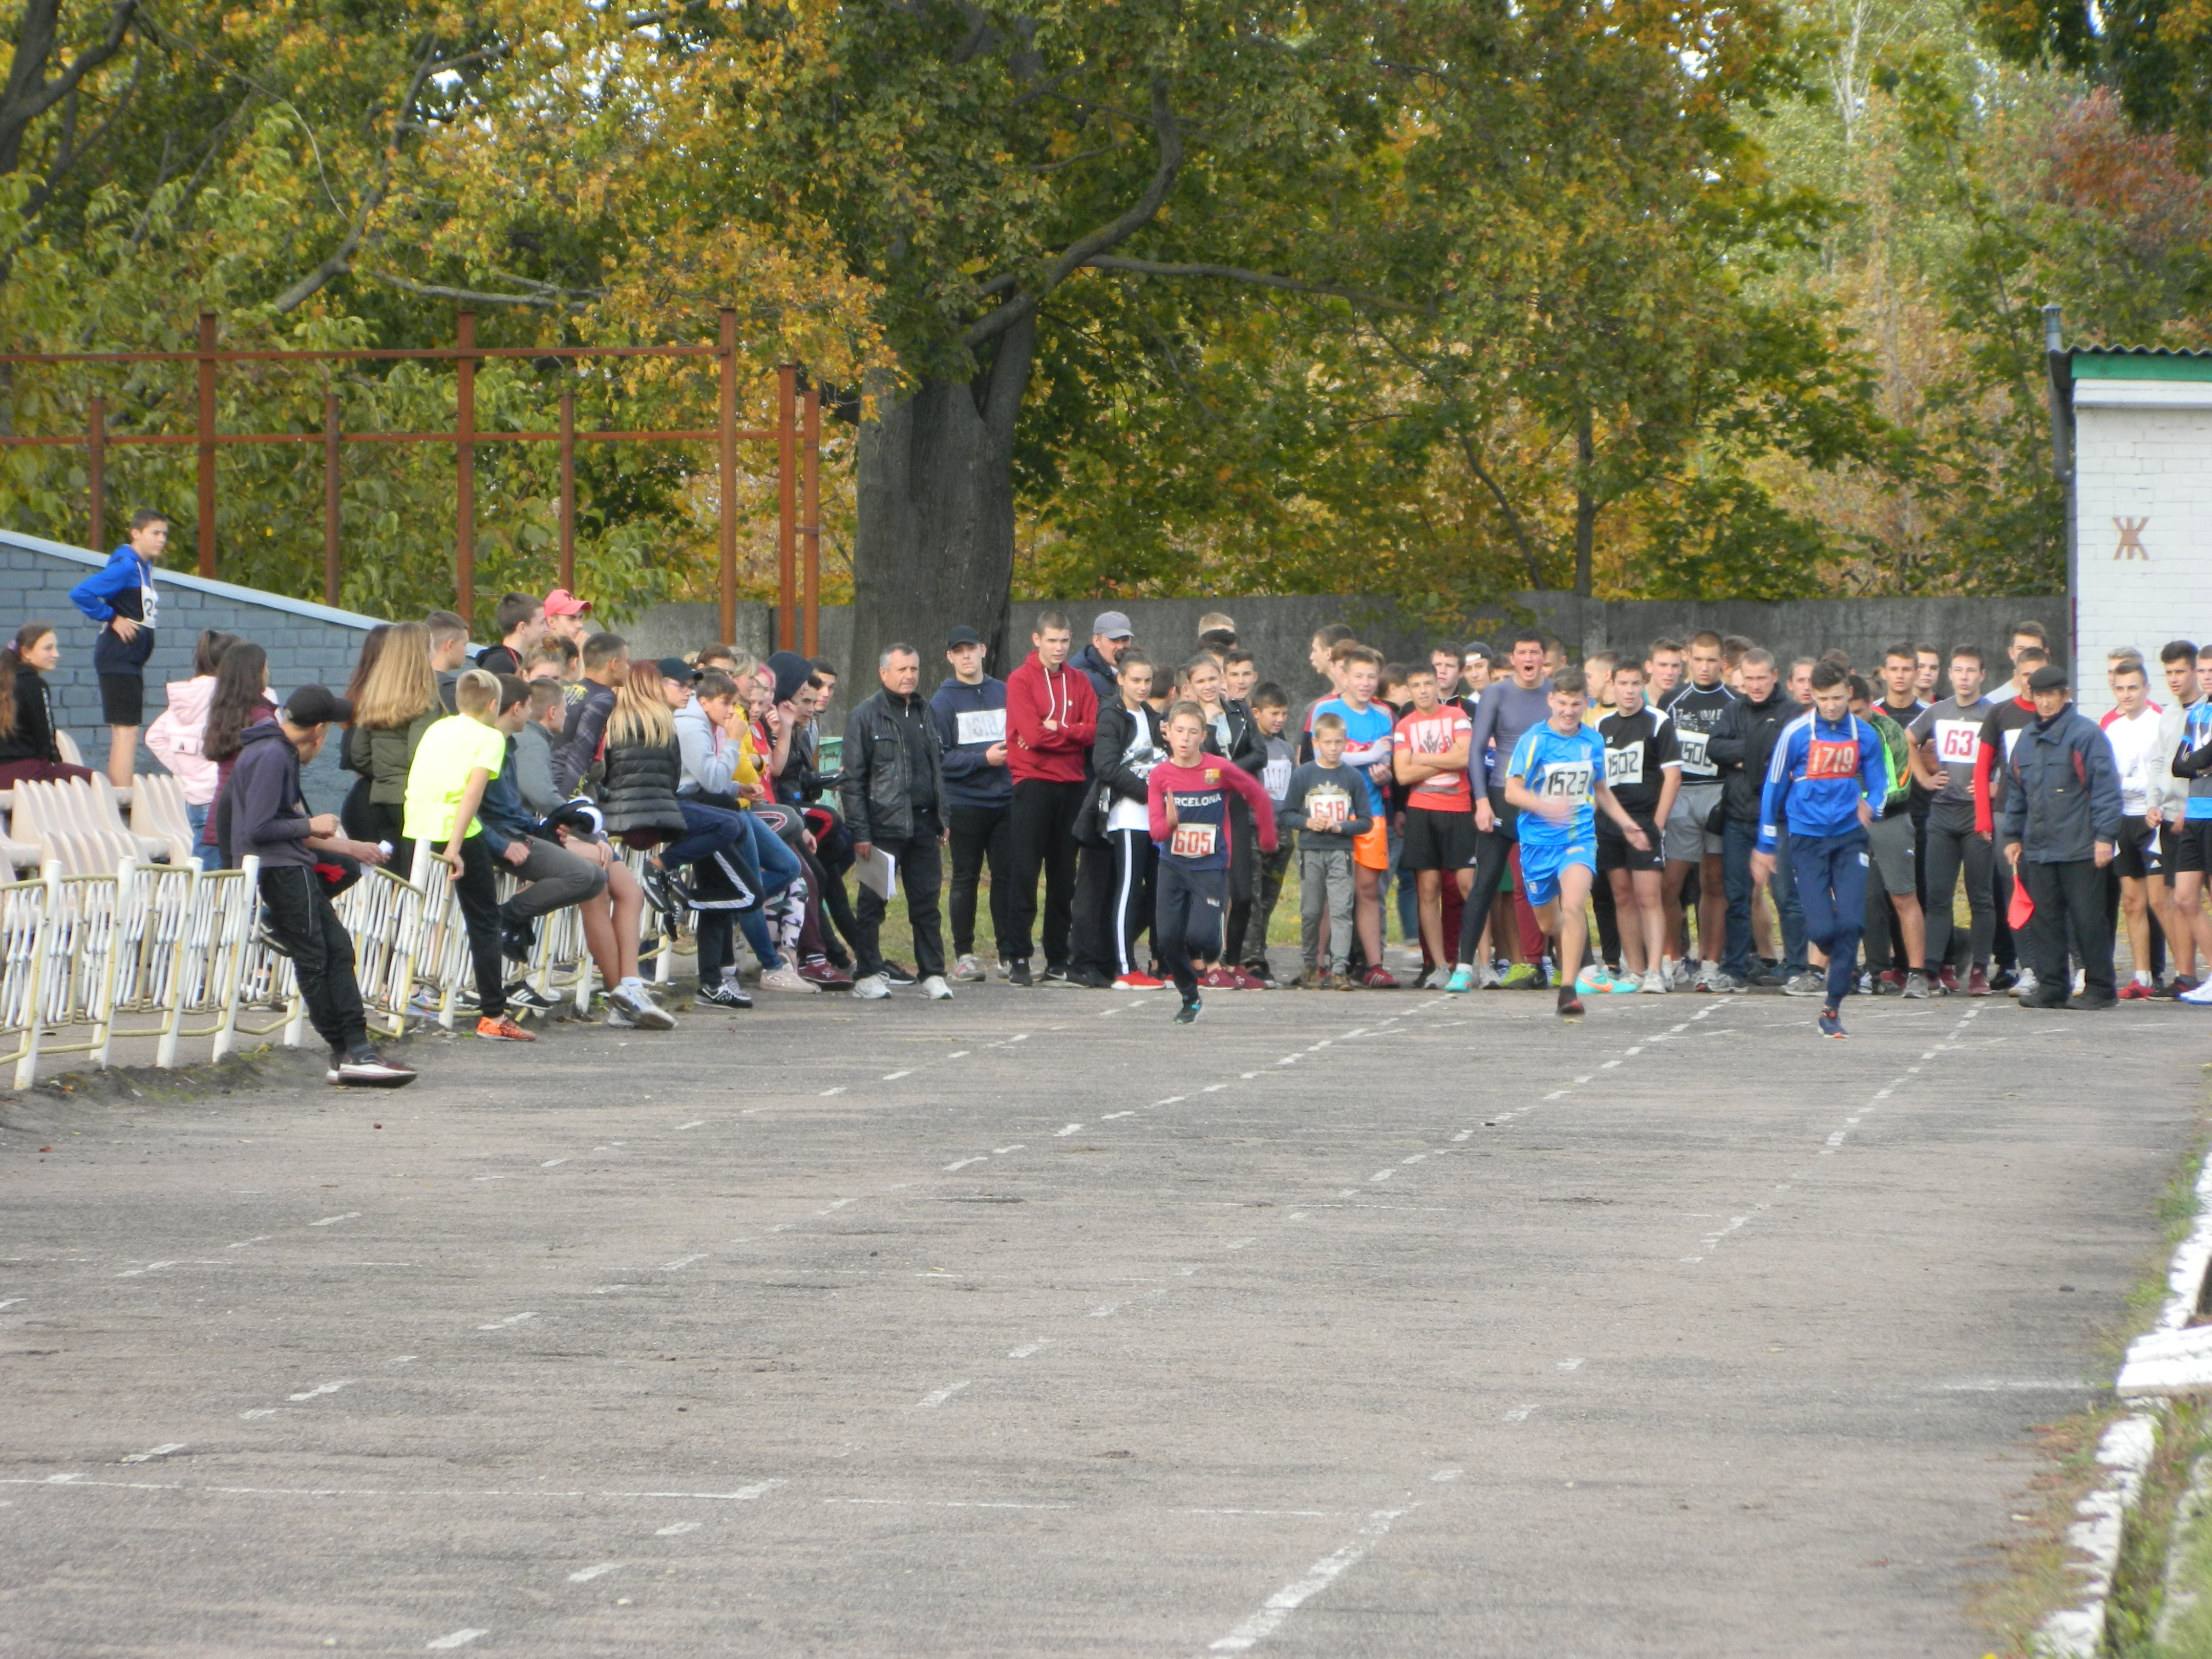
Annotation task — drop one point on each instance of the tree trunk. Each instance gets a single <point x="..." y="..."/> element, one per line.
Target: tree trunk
<point x="1585" y="506"/>
<point x="934" y="548"/>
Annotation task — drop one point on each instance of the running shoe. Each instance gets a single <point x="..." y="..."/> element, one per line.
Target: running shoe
<point x="1681" y="975"/>
<point x="2081" y="981"/>
<point x="968" y="970"/>
<point x="1915" y="986"/>
<point x="1017" y="973"/>
<point x="727" y="994"/>
<point x="871" y="986"/>
<point x="1570" y="1005"/>
<point x="1521" y="977"/>
<point x="2003" y="980"/>
<point x="1726" y="984"/>
<point x="1264" y="972"/>
<point x="427" y="1002"/>
<point x="1462" y="979"/>
<point x="1421" y="979"/>
<point x="1090" y="979"/>
<point x="364" y="1068"/>
<point x="2088" y="1001"/>
<point x="895" y="975"/>
<point x="1977" y="983"/>
<point x="785" y="977"/>
<point x="1244" y="982"/>
<point x="1487" y="978"/>
<point x="1807" y="984"/>
<point x="1188" y="1014"/>
<point x="1831" y="1023"/>
<point x="1703" y="979"/>
<point x="1379" y="979"/>
<point x="1892" y="984"/>
<point x="500" y="1029"/>
<point x="2024" y="986"/>
<point x="1950" y="981"/>
<point x="2199" y="996"/>
<point x="936" y="989"/>
<point x="1217" y="979"/>
<point x="2135" y="991"/>
<point x="523" y="994"/>
<point x="1656" y="981"/>
<point x="517" y="940"/>
<point x="1625" y="984"/>
<point x="1138" y="983"/>
<point x="637" y="1007"/>
<point x="820" y="972"/>
<point x="2173" y="987"/>
<point x="1597" y="981"/>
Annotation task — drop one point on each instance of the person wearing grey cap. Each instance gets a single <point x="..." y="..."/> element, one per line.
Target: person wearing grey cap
<point x="2062" y="820"/>
<point x="1100" y="661"/>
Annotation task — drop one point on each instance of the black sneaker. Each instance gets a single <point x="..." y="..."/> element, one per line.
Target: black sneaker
<point x="724" y="995"/>
<point x="1570" y="1005"/>
<point x="1056" y="977"/>
<point x="898" y="975"/>
<point x="1260" y="971"/>
<point x="1091" y="978"/>
<point x="666" y="893"/>
<point x="1018" y="973"/>
<point x="364" y="1068"/>
<point x="523" y="994"/>
<point x="517" y="940"/>
<point x="2003" y="980"/>
<point x="1188" y="1014"/>
<point x="266" y="937"/>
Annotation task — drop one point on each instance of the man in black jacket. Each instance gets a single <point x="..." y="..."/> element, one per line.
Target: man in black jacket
<point x="894" y="798"/>
<point x="262" y="816"/>
<point x="2061" y="821"/>
<point x="1740" y="745"/>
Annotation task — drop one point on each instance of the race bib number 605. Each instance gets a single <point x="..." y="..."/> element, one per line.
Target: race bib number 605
<point x="1192" y="841"/>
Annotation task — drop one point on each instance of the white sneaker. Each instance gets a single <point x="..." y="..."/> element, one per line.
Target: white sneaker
<point x="1487" y="978"/>
<point x="2025" y="983"/>
<point x="1679" y="975"/>
<point x="2200" y="996"/>
<point x="1703" y="979"/>
<point x="638" y="1008"/>
<point x="1655" y="981"/>
<point x="936" y="989"/>
<point x="968" y="970"/>
<point x="785" y="977"/>
<point x="872" y="987"/>
<point x="2081" y="981"/>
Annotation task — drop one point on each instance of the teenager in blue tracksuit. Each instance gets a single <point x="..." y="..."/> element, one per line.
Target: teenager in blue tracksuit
<point x="119" y="597"/>
<point x="1827" y="778"/>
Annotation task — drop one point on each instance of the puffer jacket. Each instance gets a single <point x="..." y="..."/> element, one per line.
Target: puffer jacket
<point x="1742" y="744"/>
<point x="2062" y="790"/>
<point x="175" y="737"/>
<point x="637" y="796"/>
<point x="892" y="761"/>
<point x="392" y="755"/>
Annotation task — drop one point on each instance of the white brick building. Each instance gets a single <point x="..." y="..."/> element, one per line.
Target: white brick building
<point x="2142" y="508"/>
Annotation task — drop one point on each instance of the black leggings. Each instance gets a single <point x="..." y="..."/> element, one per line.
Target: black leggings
<point x="1187" y="919"/>
<point x="477" y="891"/>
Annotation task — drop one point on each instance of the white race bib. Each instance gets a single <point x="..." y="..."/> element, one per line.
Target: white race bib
<point x="981" y="726"/>
<point x="1192" y="841"/>
<point x="1957" y="742"/>
<point x="1571" y="783"/>
<point x="1624" y="764"/>
<point x="1693" y="746"/>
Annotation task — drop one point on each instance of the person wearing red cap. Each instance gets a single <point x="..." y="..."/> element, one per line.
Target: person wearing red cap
<point x="568" y="618"/>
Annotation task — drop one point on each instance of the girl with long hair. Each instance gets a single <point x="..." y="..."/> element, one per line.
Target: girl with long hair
<point x="398" y="701"/>
<point x="29" y="751"/>
<point x="240" y="699"/>
<point x="353" y="750"/>
<point x="178" y="735"/>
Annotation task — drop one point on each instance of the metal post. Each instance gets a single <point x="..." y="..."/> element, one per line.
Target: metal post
<point x="207" y="443"/>
<point x="567" y="490"/>
<point x="330" y="498"/>
<point x="728" y="433"/>
<point x="786" y="507"/>
<point x="465" y="437"/>
<point x="97" y="470"/>
<point x="810" y="506"/>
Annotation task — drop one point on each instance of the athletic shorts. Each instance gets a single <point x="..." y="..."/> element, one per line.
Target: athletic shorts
<point x="1614" y="852"/>
<point x="2138" y="855"/>
<point x="1889" y="839"/>
<point x="1434" y="840"/>
<point x="1688" y="838"/>
<point x="1540" y="867"/>
<point x="2192" y="846"/>
<point x="122" y="699"/>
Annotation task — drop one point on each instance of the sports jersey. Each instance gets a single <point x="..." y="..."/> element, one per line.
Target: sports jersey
<point x="2006" y="719"/>
<point x="1819" y="774"/>
<point x="1955" y="728"/>
<point x="1337" y="795"/>
<point x="1561" y="766"/>
<point x="1199" y="839"/>
<point x="2195" y="732"/>
<point x="1695" y="710"/>
<point x="1367" y="735"/>
<point x="1897" y="750"/>
<point x="1639" y="751"/>
<point x="1505" y="714"/>
<point x="2134" y="752"/>
<point x="1425" y="737"/>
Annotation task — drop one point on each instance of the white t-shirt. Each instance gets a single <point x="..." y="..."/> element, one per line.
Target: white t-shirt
<point x="1141" y="756"/>
<point x="2134" y="752"/>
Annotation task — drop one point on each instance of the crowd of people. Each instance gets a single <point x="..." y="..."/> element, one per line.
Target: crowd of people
<point x="1718" y="820"/>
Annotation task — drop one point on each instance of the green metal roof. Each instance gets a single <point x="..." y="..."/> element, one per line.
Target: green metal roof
<point x="2139" y="363"/>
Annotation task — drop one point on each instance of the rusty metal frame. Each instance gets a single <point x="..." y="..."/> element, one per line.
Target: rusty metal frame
<point x="798" y="456"/>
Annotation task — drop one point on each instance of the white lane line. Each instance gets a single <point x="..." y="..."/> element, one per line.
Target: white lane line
<point x="1069" y="1130"/>
<point x="1297" y="1216"/>
<point x="149" y="1455"/>
<point x="1110" y="1116"/>
<point x="1000" y="1151"/>
<point x="586" y="1575"/>
<point x="893" y="1077"/>
<point x="489" y="1177"/>
<point x="259" y="1410"/>
<point x="512" y="1319"/>
<point x="15" y="1302"/>
<point x="1446" y="1475"/>
<point x="1170" y="1100"/>
<point x="946" y="1503"/>
<point x="963" y="1162"/>
<point x="1238" y="1244"/>
<point x="553" y="1162"/>
<point x="835" y="1208"/>
<point x="333" y="1220"/>
<point x="1213" y="1088"/>
<point x="150" y="1267"/>
<point x="1029" y="1350"/>
<point x="1463" y="1135"/>
<point x="696" y="1123"/>
<point x="459" y="1638"/>
<point x="839" y="1090"/>
<point x="683" y="1262"/>
<point x="327" y="1387"/>
<point x="262" y="1239"/>
<point x="1519" y="1414"/>
<point x="1382" y="1175"/>
<point x="742" y="1495"/>
<point x="1571" y="1365"/>
<point x="1318" y="1577"/>
<point x="679" y="1529"/>
<point x="1104" y="1309"/>
<point x="1416" y="1158"/>
<point x="940" y="1396"/>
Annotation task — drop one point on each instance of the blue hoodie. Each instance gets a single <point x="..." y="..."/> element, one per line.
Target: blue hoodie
<point x="969" y="719"/>
<point x="1818" y="776"/>
<point x="123" y="586"/>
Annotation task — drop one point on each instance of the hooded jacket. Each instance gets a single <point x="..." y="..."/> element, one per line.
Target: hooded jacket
<point x="123" y="586"/>
<point x="979" y="710"/>
<point x="1742" y="744"/>
<point x="710" y="756"/>
<point x="1035" y="695"/>
<point x="261" y="812"/>
<point x="2062" y="790"/>
<point x="175" y="737"/>
<point x="892" y="765"/>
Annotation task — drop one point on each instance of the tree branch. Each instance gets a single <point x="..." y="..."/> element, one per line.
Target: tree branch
<point x="1512" y="518"/>
<point x="28" y="94"/>
<point x="548" y="294"/>
<point x="1235" y="274"/>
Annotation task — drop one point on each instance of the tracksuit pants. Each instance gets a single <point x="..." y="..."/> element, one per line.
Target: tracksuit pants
<point x="1325" y="888"/>
<point x="982" y="836"/>
<point x="1114" y="902"/>
<point x="477" y="891"/>
<point x="1830" y="872"/>
<point x="298" y="913"/>
<point x="1186" y="921"/>
<point x="921" y="873"/>
<point x="1493" y="852"/>
<point x="1044" y="814"/>
<point x="1953" y="845"/>
<point x="1248" y="929"/>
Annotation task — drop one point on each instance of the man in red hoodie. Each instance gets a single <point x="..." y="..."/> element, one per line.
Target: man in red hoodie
<point x="1052" y="716"/>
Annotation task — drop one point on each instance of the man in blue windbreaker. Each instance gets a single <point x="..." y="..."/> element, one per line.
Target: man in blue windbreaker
<point x="119" y="597"/>
<point x="1827" y="778"/>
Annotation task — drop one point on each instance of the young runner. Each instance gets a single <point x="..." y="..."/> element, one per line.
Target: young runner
<point x="2131" y="728"/>
<point x="1890" y="845"/>
<point x="1557" y="771"/>
<point x="2170" y="797"/>
<point x="1430" y="755"/>
<point x="1369" y="728"/>
<point x="1827" y="778"/>
<point x="1644" y="769"/>
<point x="1188" y="806"/>
<point x="1692" y="846"/>
<point x="1946" y="737"/>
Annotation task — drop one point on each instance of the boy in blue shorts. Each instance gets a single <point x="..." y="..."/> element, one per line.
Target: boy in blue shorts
<point x="1828" y="778"/>
<point x="1556" y="781"/>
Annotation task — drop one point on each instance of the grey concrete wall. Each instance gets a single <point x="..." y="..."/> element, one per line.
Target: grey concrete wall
<point x="1277" y="628"/>
<point x="307" y="644"/>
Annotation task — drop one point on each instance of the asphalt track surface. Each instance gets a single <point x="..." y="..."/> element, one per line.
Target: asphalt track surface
<point x="1337" y="1325"/>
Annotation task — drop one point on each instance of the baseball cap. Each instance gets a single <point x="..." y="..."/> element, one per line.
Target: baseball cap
<point x="960" y="637"/>
<point x="2048" y="677"/>
<point x="562" y="603"/>
<point x="316" y="705"/>
<point x="675" y="668"/>
<point x="1112" y="625"/>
